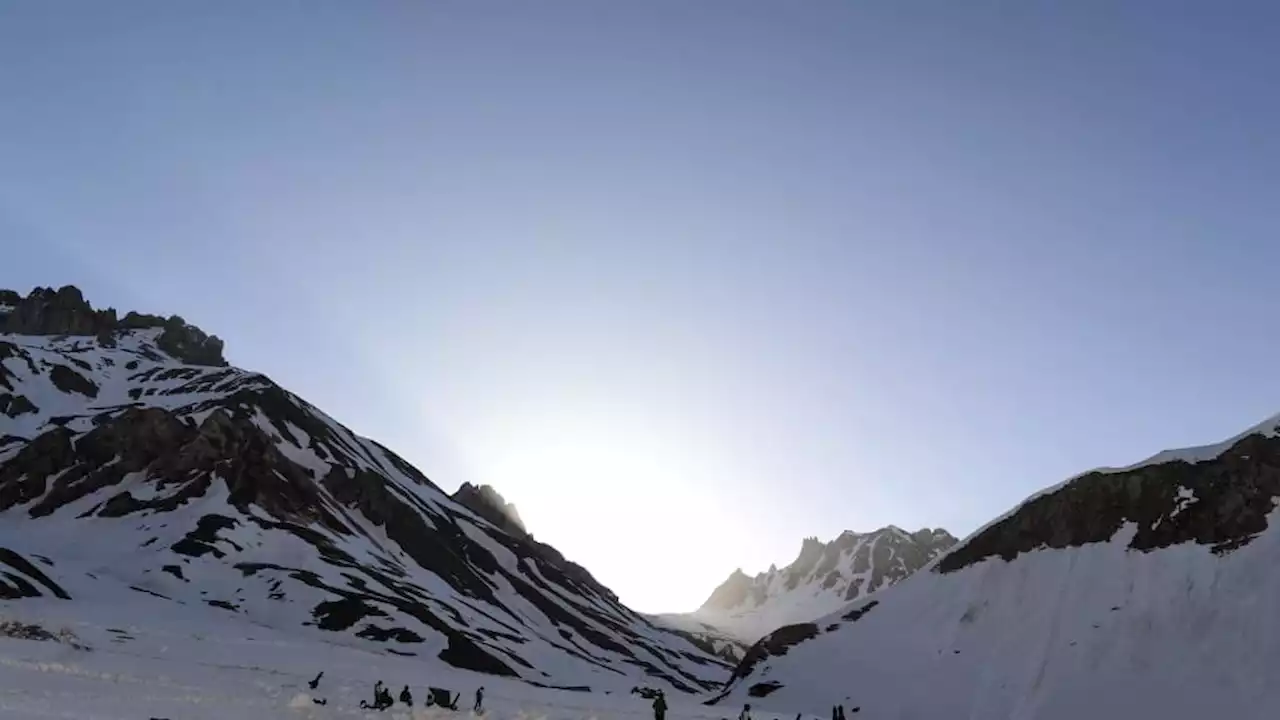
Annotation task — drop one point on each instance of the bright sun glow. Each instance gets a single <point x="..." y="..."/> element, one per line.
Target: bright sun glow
<point x="577" y="483"/>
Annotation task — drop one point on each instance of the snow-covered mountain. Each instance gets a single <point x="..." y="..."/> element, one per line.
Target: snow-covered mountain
<point x="134" y="462"/>
<point x="1145" y="591"/>
<point x="823" y="578"/>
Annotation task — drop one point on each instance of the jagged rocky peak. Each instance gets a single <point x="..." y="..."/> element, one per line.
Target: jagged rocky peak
<point x="882" y="555"/>
<point x="486" y="502"/>
<point x="823" y="578"/>
<point x="65" y="311"/>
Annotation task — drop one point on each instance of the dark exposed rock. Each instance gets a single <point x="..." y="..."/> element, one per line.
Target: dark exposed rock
<point x="856" y="614"/>
<point x="342" y="614"/>
<point x="15" y="405"/>
<point x="152" y="593"/>
<point x="26" y="570"/>
<point x="54" y="312"/>
<point x="1223" y="503"/>
<point x="9" y="350"/>
<point x="400" y="635"/>
<point x="763" y="689"/>
<point x="488" y="504"/>
<point x="65" y="312"/>
<point x="774" y="644"/>
<point x="200" y="541"/>
<point x="189" y="343"/>
<point x="69" y="381"/>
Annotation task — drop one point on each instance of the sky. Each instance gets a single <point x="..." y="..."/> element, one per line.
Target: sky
<point x="685" y="281"/>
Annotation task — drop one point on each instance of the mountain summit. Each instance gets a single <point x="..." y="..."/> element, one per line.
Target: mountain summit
<point x="823" y="578"/>
<point x="138" y="469"/>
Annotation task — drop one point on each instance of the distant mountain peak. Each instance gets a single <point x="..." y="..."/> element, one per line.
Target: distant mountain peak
<point x="824" y="577"/>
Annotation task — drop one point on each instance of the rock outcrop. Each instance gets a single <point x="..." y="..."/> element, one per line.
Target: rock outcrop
<point x="1223" y="502"/>
<point x="64" y="311"/>
<point x="485" y="501"/>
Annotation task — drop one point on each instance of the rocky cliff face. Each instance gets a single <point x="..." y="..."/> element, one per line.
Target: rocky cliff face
<point x="134" y="464"/>
<point x="823" y="578"/>
<point x="64" y="311"/>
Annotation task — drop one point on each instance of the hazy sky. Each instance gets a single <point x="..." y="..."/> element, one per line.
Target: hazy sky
<point x="686" y="281"/>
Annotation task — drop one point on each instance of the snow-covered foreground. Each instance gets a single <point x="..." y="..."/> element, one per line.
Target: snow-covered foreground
<point x="146" y="665"/>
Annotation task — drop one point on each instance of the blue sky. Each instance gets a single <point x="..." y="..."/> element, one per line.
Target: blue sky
<point x="686" y="281"/>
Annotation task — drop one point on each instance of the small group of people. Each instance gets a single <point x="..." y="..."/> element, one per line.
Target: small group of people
<point x="660" y="709"/>
<point x="382" y="698"/>
<point x="437" y="696"/>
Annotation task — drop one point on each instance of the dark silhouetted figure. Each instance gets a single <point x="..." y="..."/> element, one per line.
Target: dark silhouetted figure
<point x="442" y="697"/>
<point x="381" y="698"/>
<point x="313" y="684"/>
<point x="406" y="697"/>
<point x="746" y="712"/>
<point x="660" y="707"/>
<point x="320" y="701"/>
<point x="479" y="700"/>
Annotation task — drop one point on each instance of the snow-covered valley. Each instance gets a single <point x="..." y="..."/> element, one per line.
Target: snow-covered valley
<point x="180" y="538"/>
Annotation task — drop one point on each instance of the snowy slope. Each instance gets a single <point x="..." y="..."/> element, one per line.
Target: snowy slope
<point x="1146" y="591"/>
<point x="127" y="472"/>
<point x="150" y="658"/>
<point x="824" y="578"/>
<point x="147" y="659"/>
<point x="709" y="637"/>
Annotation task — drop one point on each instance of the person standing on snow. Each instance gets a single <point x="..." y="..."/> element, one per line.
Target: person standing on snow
<point x="660" y="707"/>
<point x="746" y="712"/>
<point x="479" y="708"/>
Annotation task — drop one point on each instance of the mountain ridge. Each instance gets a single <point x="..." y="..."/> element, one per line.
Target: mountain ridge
<point x="1120" y="592"/>
<point x="215" y="490"/>
<point x="824" y="577"/>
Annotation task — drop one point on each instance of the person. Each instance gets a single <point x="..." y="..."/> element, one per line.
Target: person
<point x="746" y="712"/>
<point x="313" y="684"/>
<point x="406" y="697"/>
<point x="660" y="707"/>
<point x="377" y="697"/>
<point x="384" y="700"/>
<point x="479" y="708"/>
